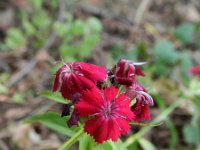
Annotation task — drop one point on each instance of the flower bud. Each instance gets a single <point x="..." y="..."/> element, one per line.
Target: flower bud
<point x="126" y="71"/>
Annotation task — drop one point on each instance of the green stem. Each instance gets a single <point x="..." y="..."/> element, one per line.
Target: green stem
<point x="145" y="124"/>
<point x="71" y="141"/>
<point x="160" y="118"/>
<point x="121" y="87"/>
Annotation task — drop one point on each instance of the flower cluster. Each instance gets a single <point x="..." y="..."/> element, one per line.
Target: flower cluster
<point x="105" y="101"/>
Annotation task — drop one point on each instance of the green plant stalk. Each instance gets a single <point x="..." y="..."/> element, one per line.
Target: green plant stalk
<point x="121" y="87"/>
<point x="161" y="117"/>
<point x="146" y="124"/>
<point x="71" y="141"/>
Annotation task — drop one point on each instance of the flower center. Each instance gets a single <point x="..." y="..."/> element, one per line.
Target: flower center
<point x="108" y="110"/>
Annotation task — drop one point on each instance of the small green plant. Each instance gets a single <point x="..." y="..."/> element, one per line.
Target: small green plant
<point x="77" y="37"/>
<point x="185" y="32"/>
<point x="191" y="131"/>
<point x="189" y="33"/>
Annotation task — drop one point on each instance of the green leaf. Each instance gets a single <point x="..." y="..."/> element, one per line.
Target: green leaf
<point x="86" y="142"/>
<point x="67" y="52"/>
<point x="55" y="96"/>
<point x="186" y="60"/>
<point x="18" y="97"/>
<point x="146" y="145"/>
<point x="194" y="88"/>
<point x="94" y="25"/>
<point x="28" y="27"/>
<point x="119" y="145"/>
<point x="4" y="77"/>
<point x="165" y="52"/>
<point x="173" y="133"/>
<point x="36" y="3"/>
<point x="104" y="146"/>
<point x="54" y="3"/>
<point x="160" y="69"/>
<point x="3" y="89"/>
<point x="41" y="19"/>
<point x="197" y="27"/>
<point x="72" y="140"/>
<point x="191" y="131"/>
<point x="192" y="134"/>
<point x="185" y="32"/>
<point x="15" y="38"/>
<point x="53" y="121"/>
<point x="110" y="145"/>
<point x="85" y="47"/>
<point x="61" y="29"/>
<point x="78" y="27"/>
<point x="197" y="34"/>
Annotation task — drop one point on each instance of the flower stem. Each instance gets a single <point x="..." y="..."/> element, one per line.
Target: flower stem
<point x="121" y="87"/>
<point x="71" y="141"/>
<point x="145" y="124"/>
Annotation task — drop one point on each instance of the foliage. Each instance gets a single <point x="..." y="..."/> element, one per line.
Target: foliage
<point x="165" y="53"/>
<point x="78" y="36"/>
<point x="54" y="96"/>
<point x="185" y="32"/>
<point x="53" y="121"/>
<point x="15" y="39"/>
<point x="191" y="131"/>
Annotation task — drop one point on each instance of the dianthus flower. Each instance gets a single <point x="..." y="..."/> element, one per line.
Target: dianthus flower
<point x="105" y="111"/>
<point x="126" y="71"/>
<point x="143" y="101"/>
<point x="108" y="115"/>
<point x="72" y="78"/>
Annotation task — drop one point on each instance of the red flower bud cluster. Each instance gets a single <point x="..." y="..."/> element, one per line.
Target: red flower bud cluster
<point x="94" y="93"/>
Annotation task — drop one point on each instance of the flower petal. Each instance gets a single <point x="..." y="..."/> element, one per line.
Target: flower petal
<point x="110" y="93"/>
<point x="123" y="125"/>
<point x="93" y="72"/>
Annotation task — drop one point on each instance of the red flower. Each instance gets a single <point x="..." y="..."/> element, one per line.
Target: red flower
<point x="195" y="70"/>
<point x="141" y="111"/>
<point x="141" y="107"/>
<point x="143" y="101"/>
<point x="72" y="78"/>
<point x="126" y="71"/>
<point x="110" y="115"/>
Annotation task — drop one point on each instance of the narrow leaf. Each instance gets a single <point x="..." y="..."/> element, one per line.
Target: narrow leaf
<point x="55" y="96"/>
<point x="53" y="121"/>
<point x="146" y="145"/>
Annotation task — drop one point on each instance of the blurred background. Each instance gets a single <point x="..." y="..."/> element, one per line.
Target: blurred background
<point x="36" y="36"/>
